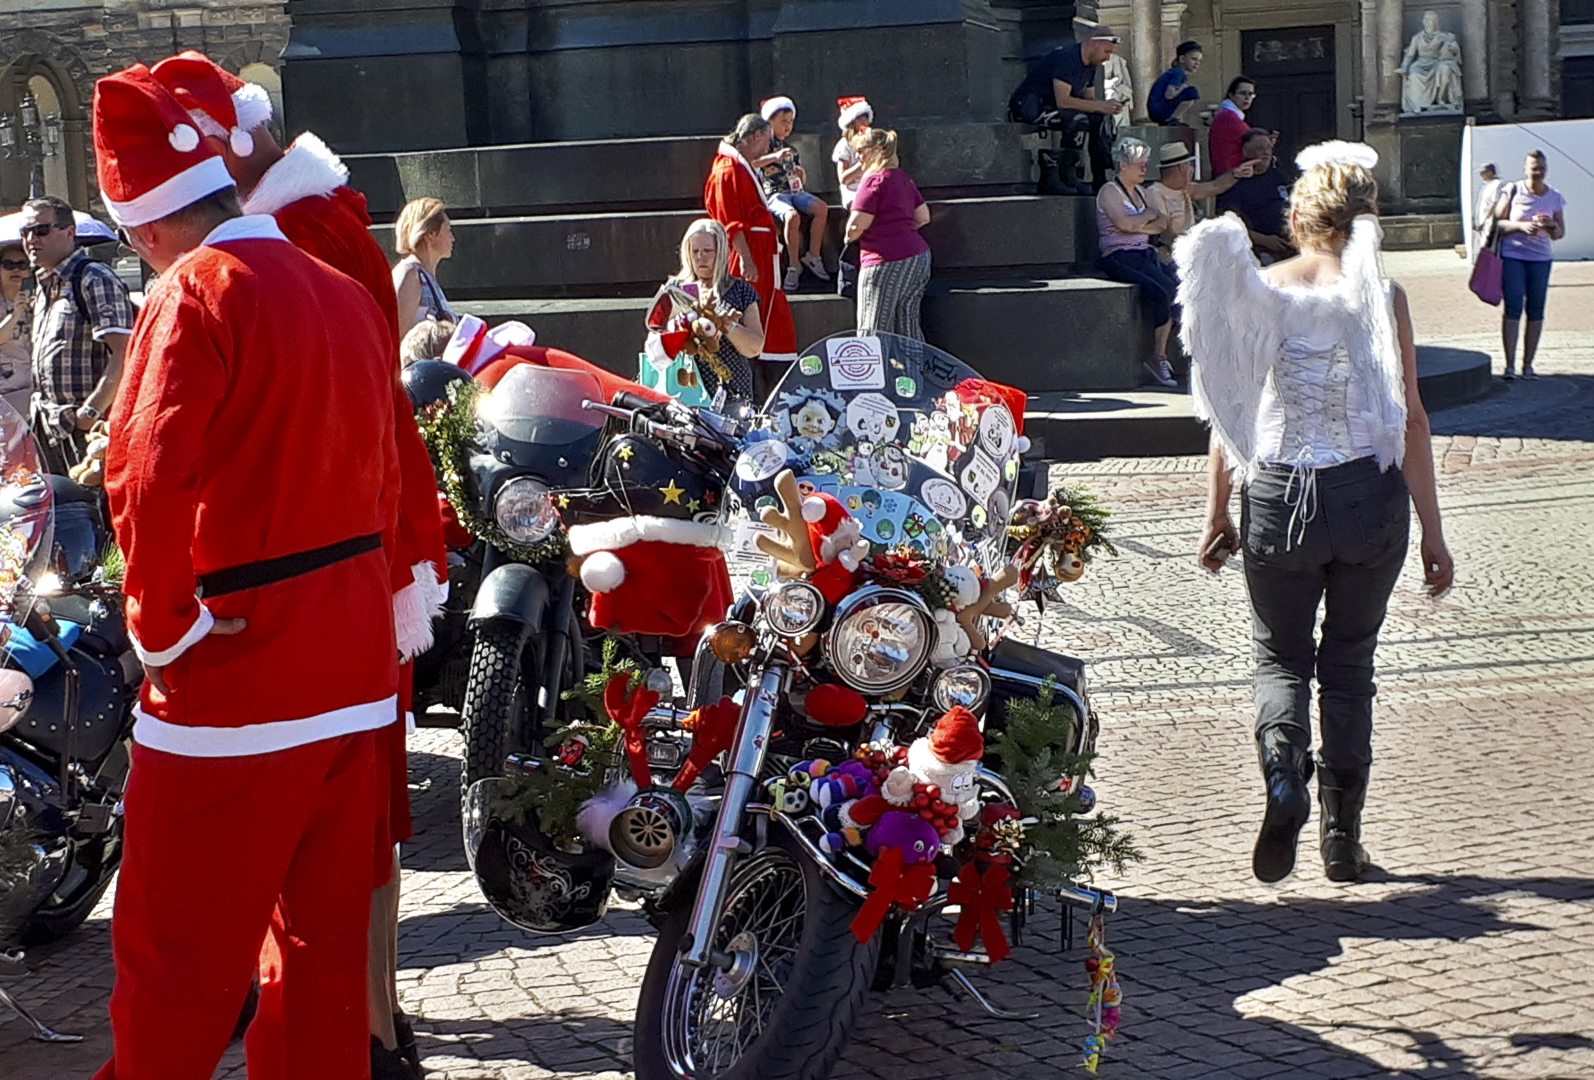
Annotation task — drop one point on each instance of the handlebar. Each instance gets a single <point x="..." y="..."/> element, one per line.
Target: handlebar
<point x="643" y="424"/>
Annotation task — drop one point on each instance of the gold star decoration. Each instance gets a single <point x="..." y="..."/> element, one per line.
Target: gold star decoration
<point x="564" y="501"/>
<point x="671" y="493"/>
<point x="625" y="453"/>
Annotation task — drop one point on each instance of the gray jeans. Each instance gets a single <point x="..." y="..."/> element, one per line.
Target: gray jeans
<point x="1347" y="555"/>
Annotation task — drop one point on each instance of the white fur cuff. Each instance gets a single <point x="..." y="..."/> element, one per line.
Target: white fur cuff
<point x="414" y="608"/>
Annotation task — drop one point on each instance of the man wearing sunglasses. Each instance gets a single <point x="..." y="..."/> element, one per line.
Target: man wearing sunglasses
<point x="82" y="317"/>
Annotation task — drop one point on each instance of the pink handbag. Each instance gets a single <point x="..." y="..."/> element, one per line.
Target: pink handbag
<point x="1486" y="274"/>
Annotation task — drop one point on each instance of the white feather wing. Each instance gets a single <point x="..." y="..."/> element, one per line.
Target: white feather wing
<point x="1231" y="330"/>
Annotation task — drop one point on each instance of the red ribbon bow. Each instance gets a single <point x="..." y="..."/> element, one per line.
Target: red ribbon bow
<point x="712" y="727"/>
<point x="982" y="899"/>
<point x="893" y="884"/>
<point x="627" y="707"/>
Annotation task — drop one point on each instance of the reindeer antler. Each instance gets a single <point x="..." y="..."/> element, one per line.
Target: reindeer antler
<point x="987" y="604"/>
<point x="796" y="554"/>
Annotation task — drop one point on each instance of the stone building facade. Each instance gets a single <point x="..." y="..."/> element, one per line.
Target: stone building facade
<point x="54" y="50"/>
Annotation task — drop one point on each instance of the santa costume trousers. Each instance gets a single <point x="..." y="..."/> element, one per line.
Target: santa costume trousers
<point x="213" y="845"/>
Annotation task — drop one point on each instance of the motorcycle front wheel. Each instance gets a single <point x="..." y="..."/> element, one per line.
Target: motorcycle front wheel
<point x="785" y="1008"/>
<point x="495" y="716"/>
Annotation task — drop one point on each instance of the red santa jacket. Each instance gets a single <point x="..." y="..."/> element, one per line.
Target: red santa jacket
<point x="735" y="198"/>
<point x="222" y="455"/>
<point x="307" y="192"/>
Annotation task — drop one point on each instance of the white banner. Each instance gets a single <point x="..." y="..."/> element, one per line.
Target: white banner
<point x="1568" y="147"/>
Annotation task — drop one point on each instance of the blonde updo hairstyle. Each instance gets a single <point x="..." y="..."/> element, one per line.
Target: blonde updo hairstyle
<point x="878" y="148"/>
<point x="420" y="218"/>
<point x="1327" y="200"/>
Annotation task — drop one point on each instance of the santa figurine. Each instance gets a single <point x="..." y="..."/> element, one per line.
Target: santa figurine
<point x="838" y="545"/>
<point x="948" y="757"/>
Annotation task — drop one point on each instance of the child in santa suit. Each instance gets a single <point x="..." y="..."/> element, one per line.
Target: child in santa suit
<point x="256" y="519"/>
<point x="305" y="188"/>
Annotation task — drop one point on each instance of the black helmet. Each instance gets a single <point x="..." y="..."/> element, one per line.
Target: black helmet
<point x="426" y="381"/>
<point x="525" y="878"/>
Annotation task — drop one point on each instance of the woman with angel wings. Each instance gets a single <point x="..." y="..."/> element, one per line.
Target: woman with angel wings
<point x="1307" y="374"/>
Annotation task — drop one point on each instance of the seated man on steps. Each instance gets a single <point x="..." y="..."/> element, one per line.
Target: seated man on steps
<point x="1060" y="93"/>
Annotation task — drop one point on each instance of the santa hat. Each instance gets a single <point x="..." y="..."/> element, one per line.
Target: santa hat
<point x="984" y="391"/>
<point x="852" y="108"/>
<point x="957" y="737"/>
<point x="771" y="106"/>
<point x="150" y="160"/>
<point x="220" y="103"/>
<point x="653" y="575"/>
<point x="474" y="346"/>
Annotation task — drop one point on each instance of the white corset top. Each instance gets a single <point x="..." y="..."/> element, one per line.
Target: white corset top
<point x="1312" y="413"/>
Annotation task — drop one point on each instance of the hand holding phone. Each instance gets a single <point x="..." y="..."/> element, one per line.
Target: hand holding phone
<point x="1218" y="551"/>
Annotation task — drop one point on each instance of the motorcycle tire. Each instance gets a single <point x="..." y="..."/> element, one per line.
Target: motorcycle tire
<point x="496" y="712"/>
<point x="805" y="1021"/>
<point x="56" y="920"/>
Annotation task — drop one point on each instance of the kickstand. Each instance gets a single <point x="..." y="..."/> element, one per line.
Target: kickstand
<point x="40" y="1032"/>
<point x="961" y="981"/>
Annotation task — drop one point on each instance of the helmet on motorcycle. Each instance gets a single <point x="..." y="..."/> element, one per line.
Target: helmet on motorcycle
<point x="426" y="382"/>
<point x="526" y="878"/>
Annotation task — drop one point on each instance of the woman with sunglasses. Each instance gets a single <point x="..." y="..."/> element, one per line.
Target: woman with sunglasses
<point x="16" y="347"/>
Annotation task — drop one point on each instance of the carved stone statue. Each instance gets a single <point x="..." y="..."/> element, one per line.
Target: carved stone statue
<point x="1431" y="69"/>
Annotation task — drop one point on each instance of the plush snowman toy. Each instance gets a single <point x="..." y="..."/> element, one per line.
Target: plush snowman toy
<point x="948" y="757"/>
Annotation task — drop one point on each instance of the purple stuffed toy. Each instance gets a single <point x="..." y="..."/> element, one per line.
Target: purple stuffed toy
<point x="918" y="839"/>
<point x="842" y="783"/>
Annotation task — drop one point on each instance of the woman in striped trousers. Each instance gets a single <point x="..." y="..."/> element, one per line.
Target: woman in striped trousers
<point x="894" y="260"/>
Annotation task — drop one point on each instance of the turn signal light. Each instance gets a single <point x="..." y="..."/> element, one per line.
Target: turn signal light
<point x="733" y="642"/>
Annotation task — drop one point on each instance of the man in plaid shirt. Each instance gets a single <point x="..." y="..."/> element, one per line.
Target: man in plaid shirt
<point x="81" y="320"/>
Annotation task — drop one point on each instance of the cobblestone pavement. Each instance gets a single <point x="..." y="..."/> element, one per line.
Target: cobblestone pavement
<point x="1469" y="954"/>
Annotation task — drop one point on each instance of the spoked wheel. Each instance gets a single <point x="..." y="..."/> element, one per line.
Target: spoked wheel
<point x="785" y="1004"/>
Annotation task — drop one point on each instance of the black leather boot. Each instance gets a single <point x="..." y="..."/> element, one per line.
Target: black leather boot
<point x="1341" y="794"/>
<point x="389" y="1064"/>
<point x="1059" y="171"/>
<point x="1286" y="770"/>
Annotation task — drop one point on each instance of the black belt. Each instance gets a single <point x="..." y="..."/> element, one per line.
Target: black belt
<point x="256" y="575"/>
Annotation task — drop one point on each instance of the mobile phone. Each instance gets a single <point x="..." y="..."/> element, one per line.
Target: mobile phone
<point x="1220" y="549"/>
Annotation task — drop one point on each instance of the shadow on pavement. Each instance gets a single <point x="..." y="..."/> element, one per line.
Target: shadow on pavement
<point x="1552" y="406"/>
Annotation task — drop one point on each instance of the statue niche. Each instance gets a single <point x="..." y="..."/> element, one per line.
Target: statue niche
<point x="1431" y="71"/>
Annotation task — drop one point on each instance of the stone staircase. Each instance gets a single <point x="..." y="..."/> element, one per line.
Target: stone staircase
<point x="573" y="238"/>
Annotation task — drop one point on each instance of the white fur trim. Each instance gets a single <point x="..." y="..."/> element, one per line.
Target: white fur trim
<point x="206" y="125"/>
<point x="184" y="139"/>
<point x="603" y="572"/>
<point x="308" y="168"/>
<point x="247" y="227"/>
<point x="814" y="509"/>
<point x="253" y="105"/>
<point x="623" y="532"/>
<point x="852" y="113"/>
<point x="414" y="608"/>
<point x="266" y="738"/>
<point x="240" y="142"/>
<point x="186" y="188"/>
<point x="1336" y="152"/>
<point x="777" y="104"/>
<point x="201" y="626"/>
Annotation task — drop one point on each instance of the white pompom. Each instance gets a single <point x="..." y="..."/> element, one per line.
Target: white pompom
<point x="241" y="142"/>
<point x="602" y="572"/>
<point x="1022" y="444"/>
<point x="814" y="509"/>
<point x="184" y="139"/>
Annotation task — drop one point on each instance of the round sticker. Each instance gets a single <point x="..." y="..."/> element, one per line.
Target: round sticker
<point x="943" y="497"/>
<point x="997" y="431"/>
<point x="872" y="418"/>
<point x="762" y="460"/>
<point x="810" y="365"/>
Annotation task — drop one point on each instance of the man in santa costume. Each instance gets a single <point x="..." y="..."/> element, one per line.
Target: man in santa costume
<point x="306" y="189"/>
<point x="734" y="197"/>
<point x="255" y="512"/>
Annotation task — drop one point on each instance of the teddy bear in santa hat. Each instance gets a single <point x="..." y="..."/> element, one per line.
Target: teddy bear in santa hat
<point x="838" y="544"/>
<point x="948" y="757"/>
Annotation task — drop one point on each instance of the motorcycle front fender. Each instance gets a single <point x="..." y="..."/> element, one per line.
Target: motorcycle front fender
<point x="512" y="591"/>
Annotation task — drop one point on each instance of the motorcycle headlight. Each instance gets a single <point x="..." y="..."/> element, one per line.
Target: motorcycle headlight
<point x="880" y="639"/>
<point x="525" y="510"/>
<point x="965" y="685"/>
<point x="793" y="608"/>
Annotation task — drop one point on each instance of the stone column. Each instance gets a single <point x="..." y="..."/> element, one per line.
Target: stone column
<point x="1145" y="48"/>
<point x="1391" y="43"/>
<point x="1533" y="66"/>
<point x="1370" y="71"/>
<point x="1173" y="31"/>
<point x="1475" y="50"/>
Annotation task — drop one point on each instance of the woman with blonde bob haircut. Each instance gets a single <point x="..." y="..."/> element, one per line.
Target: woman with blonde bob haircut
<point x="423" y="237"/>
<point x="1307" y="374"/>
<point x="894" y="260"/>
<point x="706" y="274"/>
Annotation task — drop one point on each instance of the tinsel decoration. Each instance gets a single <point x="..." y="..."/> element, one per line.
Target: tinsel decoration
<point x="1104" y="1006"/>
<point x="1060" y="846"/>
<point x="449" y="431"/>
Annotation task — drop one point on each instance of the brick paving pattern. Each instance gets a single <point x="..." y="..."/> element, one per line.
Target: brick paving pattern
<point x="1470" y="953"/>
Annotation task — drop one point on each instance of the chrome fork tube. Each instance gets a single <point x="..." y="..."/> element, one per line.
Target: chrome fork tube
<point x="747" y="761"/>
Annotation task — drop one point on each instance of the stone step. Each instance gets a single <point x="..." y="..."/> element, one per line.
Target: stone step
<point x="1153" y="422"/>
<point x="618" y="254"/>
<point x="1410" y="232"/>
<point x="1048" y="335"/>
<point x="666" y="173"/>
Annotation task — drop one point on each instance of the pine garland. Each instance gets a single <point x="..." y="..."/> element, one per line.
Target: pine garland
<point x="1060" y="847"/>
<point x="449" y="431"/>
<point x="556" y="793"/>
<point x="1088" y="522"/>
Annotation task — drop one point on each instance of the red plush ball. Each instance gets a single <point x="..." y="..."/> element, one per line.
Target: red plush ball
<point x="835" y="706"/>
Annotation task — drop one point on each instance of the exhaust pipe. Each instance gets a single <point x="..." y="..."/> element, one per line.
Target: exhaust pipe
<point x="646" y="833"/>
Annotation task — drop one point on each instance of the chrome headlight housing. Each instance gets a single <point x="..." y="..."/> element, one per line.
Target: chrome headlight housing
<point x="793" y="608"/>
<point x="524" y="510"/>
<point x="880" y="639"/>
<point x="965" y="685"/>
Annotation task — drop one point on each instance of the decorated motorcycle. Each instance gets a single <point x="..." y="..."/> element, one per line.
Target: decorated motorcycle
<point x="868" y="783"/>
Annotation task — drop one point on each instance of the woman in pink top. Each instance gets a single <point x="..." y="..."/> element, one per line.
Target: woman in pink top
<point x="894" y="260"/>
